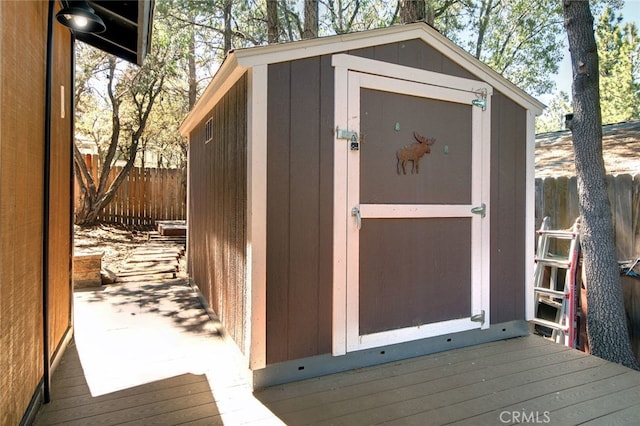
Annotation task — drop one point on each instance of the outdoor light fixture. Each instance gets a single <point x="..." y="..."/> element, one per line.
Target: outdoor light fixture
<point x="81" y="17"/>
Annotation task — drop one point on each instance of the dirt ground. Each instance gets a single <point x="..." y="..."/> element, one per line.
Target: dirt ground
<point x="117" y="242"/>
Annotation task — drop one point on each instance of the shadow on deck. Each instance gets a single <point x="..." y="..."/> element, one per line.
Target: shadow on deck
<point x="174" y="400"/>
<point x="147" y="353"/>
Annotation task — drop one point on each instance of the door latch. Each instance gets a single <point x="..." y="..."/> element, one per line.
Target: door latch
<point x="355" y="146"/>
<point x="350" y="136"/>
<point x="356" y="212"/>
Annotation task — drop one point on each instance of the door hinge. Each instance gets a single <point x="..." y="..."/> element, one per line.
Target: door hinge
<point x="478" y="317"/>
<point x="481" y="210"/>
<point x="481" y="101"/>
<point x="356" y="213"/>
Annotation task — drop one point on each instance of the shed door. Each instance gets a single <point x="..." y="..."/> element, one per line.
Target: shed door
<point x="416" y="243"/>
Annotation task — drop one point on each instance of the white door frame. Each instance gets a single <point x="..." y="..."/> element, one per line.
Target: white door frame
<point x="351" y="74"/>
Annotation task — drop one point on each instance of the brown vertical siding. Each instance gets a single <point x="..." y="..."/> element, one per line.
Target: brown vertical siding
<point x="22" y="82"/>
<point x="410" y="270"/>
<point x="434" y="288"/>
<point x="217" y="210"/>
<point x="299" y="208"/>
<point x="508" y="165"/>
<point x="278" y="230"/>
<point x="300" y="198"/>
<point x="442" y="178"/>
<point x="60" y="214"/>
<point x="508" y="190"/>
<point x="416" y="54"/>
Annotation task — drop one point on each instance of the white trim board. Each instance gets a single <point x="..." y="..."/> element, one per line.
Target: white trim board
<point x="401" y="72"/>
<point x="256" y="314"/>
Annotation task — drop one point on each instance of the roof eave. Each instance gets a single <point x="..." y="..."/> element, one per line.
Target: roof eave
<point x="326" y="45"/>
<point x="238" y="61"/>
<point x="230" y="71"/>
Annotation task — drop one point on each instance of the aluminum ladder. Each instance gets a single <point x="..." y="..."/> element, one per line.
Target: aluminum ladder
<point x="555" y="284"/>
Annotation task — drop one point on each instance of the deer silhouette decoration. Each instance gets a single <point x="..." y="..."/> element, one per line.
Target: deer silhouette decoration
<point x="413" y="153"/>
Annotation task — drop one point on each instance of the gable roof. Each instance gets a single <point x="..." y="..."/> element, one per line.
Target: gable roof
<point x="238" y="61"/>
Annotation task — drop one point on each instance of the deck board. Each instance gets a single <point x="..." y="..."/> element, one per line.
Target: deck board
<point x="147" y="353"/>
<point x="566" y="391"/>
<point x="457" y="378"/>
<point x="529" y="374"/>
<point x="435" y="395"/>
<point x="625" y="417"/>
<point x="598" y="409"/>
<point x="440" y="364"/>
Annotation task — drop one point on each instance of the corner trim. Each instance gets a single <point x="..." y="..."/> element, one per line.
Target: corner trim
<point x="256" y="248"/>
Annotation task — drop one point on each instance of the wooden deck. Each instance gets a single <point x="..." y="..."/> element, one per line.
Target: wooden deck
<point x="495" y="383"/>
<point x="147" y="353"/>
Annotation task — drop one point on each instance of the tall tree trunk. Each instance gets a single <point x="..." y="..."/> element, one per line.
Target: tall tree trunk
<point x="606" y="320"/>
<point x="272" y="21"/>
<point x="310" y="19"/>
<point x="193" y="81"/>
<point x="430" y="13"/>
<point x="486" y="7"/>
<point x="227" y="25"/>
<point x="411" y="11"/>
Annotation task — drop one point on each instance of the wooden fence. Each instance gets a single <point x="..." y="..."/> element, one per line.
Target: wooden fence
<point x="146" y="195"/>
<point x="558" y="199"/>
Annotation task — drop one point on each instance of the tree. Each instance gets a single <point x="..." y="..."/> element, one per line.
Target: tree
<point x="553" y="117"/>
<point x="520" y="39"/>
<point x="412" y="11"/>
<point x="130" y="95"/>
<point x="345" y="16"/>
<point x="310" y="19"/>
<point x="606" y="322"/>
<point x="619" y="56"/>
<point x="272" y="21"/>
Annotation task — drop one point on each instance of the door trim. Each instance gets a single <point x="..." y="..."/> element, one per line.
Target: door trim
<point x="370" y="73"/>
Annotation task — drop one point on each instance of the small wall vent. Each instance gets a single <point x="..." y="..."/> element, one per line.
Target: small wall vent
<point x="208" y="131"/>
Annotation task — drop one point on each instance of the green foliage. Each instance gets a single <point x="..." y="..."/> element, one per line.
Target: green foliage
<point x="520" y="39"/>
<point x="619" y="57"/>
<point x="553" y="117"/>
<point x="344" y="16"/>
<point x="115" y="99"/>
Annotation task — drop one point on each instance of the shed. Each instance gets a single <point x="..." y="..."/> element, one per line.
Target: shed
<point x="308" y="240"/>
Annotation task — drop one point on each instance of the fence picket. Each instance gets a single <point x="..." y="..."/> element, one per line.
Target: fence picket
<point x="146" y="196"/>
<point x="624" y="229"/>
<point x="558" y="199"/>
<point x="635" y="215"/>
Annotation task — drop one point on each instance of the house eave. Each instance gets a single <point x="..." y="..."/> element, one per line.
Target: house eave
<point x="129" y="28"/>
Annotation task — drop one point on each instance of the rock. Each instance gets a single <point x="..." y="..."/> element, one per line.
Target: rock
<point x="107" y="276"/>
